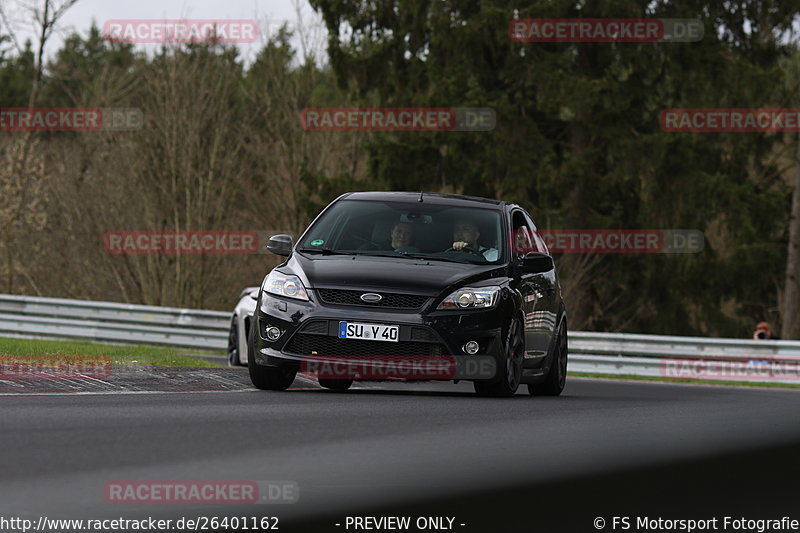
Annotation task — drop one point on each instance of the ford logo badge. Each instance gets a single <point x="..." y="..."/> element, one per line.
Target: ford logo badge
<point x="371" y="297"/>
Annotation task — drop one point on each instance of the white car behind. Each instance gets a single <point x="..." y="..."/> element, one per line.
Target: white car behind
<point x="240" y="326"/>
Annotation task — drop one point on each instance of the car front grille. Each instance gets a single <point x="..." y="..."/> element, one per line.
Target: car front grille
<point x="319" y="327"/>
<point x="390" y="300"/>
<point x="304" y="344"/>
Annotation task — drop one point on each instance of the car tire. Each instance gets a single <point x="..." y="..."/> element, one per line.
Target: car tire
<point x="336" y="384"/>
<point x="268" y="377"/>
<point x="510" y="369"/>
<point x="557" y="375"/>
<point x="233" y="344"/>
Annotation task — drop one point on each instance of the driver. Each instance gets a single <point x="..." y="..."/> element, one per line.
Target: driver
<point x="466" y="234"/>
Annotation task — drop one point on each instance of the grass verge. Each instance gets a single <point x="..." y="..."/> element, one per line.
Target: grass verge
<point x="119" y="355"/>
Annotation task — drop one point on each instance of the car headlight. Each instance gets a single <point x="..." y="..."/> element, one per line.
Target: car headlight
<point x="471" y="298"/>
<point x="285" y="285"/>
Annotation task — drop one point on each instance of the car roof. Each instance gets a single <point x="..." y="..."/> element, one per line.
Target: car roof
<point x="432" y="197"/>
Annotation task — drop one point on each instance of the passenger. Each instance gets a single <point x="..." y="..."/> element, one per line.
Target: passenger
<point x="466" y="235"/>
<point x="403" y="237"/>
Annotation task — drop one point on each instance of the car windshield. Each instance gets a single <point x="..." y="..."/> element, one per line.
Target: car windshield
<point x="412" y="230"/>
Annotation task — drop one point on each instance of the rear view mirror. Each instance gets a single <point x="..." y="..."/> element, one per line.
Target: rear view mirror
<point x="280" y="245"/>
<point x="536" y="263"/>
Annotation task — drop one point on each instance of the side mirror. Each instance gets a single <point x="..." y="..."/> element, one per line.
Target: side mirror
<point x="536" y="263"/>
<point x="280" y="244"/>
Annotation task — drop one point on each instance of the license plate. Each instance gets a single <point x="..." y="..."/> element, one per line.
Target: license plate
<point x="370" y="332"/>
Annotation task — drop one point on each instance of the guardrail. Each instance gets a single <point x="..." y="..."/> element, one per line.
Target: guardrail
<point x="671" y="357"/>
<point x="56" y="318"/>
<point x="604" y="353"/>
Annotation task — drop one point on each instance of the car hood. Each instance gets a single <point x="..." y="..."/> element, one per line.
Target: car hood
<point x="408" y="275"/>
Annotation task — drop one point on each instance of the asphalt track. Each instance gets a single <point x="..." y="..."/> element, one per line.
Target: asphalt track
<point x="603" y="448"/>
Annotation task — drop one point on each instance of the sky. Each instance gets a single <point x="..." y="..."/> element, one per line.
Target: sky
<point x="270" y="14"/>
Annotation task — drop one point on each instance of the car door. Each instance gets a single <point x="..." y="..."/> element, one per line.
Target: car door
<point x="537" y="297"/>
<point x="546" y="313"/>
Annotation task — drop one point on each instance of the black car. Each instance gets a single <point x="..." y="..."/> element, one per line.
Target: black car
<point x="392" y="277"/>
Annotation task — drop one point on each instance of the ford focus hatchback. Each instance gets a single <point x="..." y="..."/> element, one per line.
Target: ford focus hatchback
<point x="413" y="286"/>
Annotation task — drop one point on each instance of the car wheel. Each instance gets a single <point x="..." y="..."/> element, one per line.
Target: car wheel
<point x="511" y="368"/>
<point x="233" y="344"/>
<point x="268" y="377"/>
<point x="557" y="376"/>
<point x="336" y="384"/>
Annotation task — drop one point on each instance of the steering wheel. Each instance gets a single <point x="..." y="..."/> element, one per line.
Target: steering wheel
<point x="468" y="249"/>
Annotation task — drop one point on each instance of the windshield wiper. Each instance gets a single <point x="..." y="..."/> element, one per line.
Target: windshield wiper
<point x="379" y="254"/>
<point x="324" y="251"/>
<point x="410" y="255"/>
<point x="434" y="257"/>
<point x="405" y="255"/>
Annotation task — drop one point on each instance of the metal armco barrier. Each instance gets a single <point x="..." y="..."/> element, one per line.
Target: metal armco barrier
<point x="603" y="353"/>
<point x="56" y="318"/>
<point x="672" y="357"/>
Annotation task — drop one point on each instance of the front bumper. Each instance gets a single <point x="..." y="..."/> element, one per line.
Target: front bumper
<point x="310" y="333"/>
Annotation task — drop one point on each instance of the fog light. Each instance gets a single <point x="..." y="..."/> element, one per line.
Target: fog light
<point x="272" y="333"/>
<point x="472" y="347"/>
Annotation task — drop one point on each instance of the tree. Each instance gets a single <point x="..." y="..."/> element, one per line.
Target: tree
<point x="22" y="209"/>
<point x="43" y="17"/>
<point x="22" y="173"/>
<point x="791" y="294"/>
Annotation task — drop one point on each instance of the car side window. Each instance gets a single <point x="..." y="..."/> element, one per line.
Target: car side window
<point x="521" y="235"/>
<point x="539" y="243"/>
